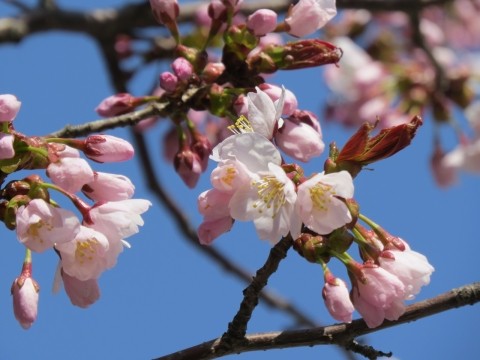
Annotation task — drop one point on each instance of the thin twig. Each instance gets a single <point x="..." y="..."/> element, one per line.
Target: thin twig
<point x="342" y="334"/>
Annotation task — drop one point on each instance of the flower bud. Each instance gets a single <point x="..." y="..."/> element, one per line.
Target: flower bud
<point x="116" y="105"/>
<point x="9" y="106"/>
<point x="262" y="21"/>
<point x="189" y="166"/>
<point x="312" y="247"/>
<point x="6" y="146"/>
<point x="337" y="300"/>
<point x="168" y="81"/>
<point x="182" y="68"/>
<point x="212" y="72"/>
<point x="25" y="297"/>
<point x="107" y="148"/>
<point x="108" y="187"/>
<point x="165" y="11"/>
<point x="202" y="147"/>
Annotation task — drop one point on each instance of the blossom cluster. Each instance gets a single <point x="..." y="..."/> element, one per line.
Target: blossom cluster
<point x="86" y="245"/>
<point x="204" y="94"/>
<point x="252" y="183"/>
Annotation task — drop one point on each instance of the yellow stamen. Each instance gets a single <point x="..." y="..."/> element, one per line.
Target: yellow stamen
<point x="271" y="194"/>
<point x="86" y="250"/>
<point x="321" y="195"/>
<point x="241" y="126"/>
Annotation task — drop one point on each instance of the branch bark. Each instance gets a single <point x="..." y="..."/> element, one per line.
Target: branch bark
<point x="341" y="334"/>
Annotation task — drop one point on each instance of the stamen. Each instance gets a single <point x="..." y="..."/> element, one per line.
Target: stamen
<point x="321" y="195"/>
<point x="86" y="250"/>
<point x="271" y="195"/>
<point x="241" y="126"/>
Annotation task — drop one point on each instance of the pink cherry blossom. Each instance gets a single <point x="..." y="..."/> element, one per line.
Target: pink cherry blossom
<point x="209" y="230"/>
<point x="107" y="148"/>
<point x="40" y="225"/>
<point x="70" y="173"/>
<point x="25" y="300"/>
<point x="264" y="113"/>
<point x="337" y="300"/>
<point x="81" y="293"/>
<point x="410" y="267"/>
<point x="6" y="146"/>
<point x="9" y="106"/>
<point x="307" y="16"/>
<point x="276" y="93"/>
<point x="465" y="156"/>
<point x="299" y="140"/>
<point x="378" y="296"/>
<point x="318" y="206"/>
<point x="262" y="21"/>
<point x="118" y="219"/>
<point x="84" y="257"/>
<point x="108" y="187"/>
<point x="116" y="105"/>
<point x="228" y="176"/>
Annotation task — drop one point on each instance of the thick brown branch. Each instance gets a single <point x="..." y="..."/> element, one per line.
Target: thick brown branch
<point x="108" y="22"/>
<point x="341" y="334"/>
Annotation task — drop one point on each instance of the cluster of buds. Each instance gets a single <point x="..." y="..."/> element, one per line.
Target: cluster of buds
<point x="253" y="183"/>
<point x="86" y="246"/>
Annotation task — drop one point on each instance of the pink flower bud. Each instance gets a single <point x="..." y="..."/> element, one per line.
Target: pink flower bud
<point x="107" y="148"/>
<point x="307" y="16"/>
<point x="202" y="147"/>
<point x="217" y="10"/>
<point x="165" y="11"/>
<point x="109" y="187"/>
<point x="81" y="293"/>
<point x="182" y="68"/>
<point x="299" y="140"/>
<point x="9" y="106"/>
<point x="262" y="21"/>
<point x="168" y="81"/>
<point x="212" y="71"/>
<point x="337" y="300"/>
<point x="6" y="146"/>
<point x="189" y="166"/>
<point x="275" y="92"/>
<point x="25" y="297"/>
<point x="211" y="229"/>
<point x="70" y="173"/>
<point x="116" y="105"/>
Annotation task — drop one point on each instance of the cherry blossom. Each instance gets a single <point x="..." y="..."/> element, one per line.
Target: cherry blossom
<point x="6" y="146"/>
<point x="40" y="225"/>
<point x="109" y="187"/>
<point x="262" y="21"/>
<point x="307" y="16"/>
<point x="84" y="257"/>
<point x="81" y="293"/>
<point x="9" y="107"/>
<point x="318" y="206"/>
<point x="410" y="267"/>
<point x="264" y="113"/>
<point x="25" y="300"/>
<point x="337" y="300"/>
<point x="107" y="148"/>
<point x="378" y="296"/>
<point x="118" y="219"/>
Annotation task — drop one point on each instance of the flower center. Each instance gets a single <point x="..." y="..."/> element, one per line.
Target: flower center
<point x="229" y="175"/>
<point x="241" y="126"/>
<point x="34" y="230"/>
<point x="321" y="195"/>
<point x="86" y="250"/>
<point x="271" y="195"/>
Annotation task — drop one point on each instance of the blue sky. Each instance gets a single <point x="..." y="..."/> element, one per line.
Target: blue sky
<point x="163" y="295"/>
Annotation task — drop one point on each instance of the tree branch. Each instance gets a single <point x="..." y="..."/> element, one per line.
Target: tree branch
<point x="341" y="334"/>
<point x="105" y="23"/>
